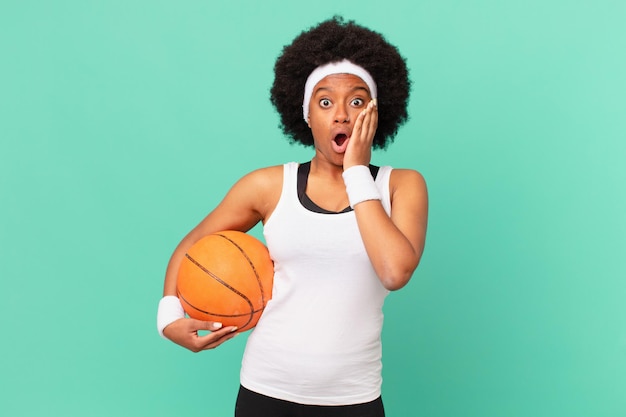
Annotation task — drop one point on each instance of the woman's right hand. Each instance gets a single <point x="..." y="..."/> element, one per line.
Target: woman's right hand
<point x="184" y="332"/>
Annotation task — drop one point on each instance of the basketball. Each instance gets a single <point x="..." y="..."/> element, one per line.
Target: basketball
<point x="226" y="277"/>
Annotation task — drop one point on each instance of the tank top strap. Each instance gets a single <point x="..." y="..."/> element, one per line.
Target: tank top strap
<point x="289" y="193"/>
<point x="290" y="177"/>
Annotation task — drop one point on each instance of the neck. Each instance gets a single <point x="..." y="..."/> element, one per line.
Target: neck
<point x="321" y="167"/>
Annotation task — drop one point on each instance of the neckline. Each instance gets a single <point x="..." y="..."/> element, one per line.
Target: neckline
<point x="303" y="178"/>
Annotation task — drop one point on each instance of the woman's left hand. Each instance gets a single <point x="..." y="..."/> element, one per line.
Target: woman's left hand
<point x="359" y="151"/>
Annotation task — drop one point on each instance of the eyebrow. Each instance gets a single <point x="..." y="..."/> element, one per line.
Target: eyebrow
<point x="356" y="88"/>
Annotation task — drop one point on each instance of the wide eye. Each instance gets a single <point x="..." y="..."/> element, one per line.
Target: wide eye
<point x="357" y="102"/>
<point x="325" y="103"/>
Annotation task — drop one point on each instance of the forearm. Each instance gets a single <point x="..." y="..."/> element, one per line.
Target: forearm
<point x="171" y="273"/>
<point x="395" y="242"/>
<point x="392" y="254"/>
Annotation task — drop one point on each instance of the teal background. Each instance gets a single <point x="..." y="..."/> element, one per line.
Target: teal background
<point x="122" y="123"/>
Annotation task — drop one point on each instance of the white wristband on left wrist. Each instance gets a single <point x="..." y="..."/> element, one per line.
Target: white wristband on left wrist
<point x="170" y="309"/>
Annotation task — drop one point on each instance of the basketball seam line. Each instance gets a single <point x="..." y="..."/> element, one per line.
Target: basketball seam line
<point x="224" y="283"/>
<point x="256" y="274"/>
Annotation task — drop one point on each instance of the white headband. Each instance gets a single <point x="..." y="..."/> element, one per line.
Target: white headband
<point x="340" y="67"/>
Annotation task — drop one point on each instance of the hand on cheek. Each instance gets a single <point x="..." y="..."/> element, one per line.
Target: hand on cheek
<point x="359" y="151"/>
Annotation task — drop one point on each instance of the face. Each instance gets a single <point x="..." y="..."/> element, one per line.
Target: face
<point x="335" y="104"/>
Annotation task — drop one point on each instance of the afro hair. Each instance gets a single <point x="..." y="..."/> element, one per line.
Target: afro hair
<point x="331" y="41"/>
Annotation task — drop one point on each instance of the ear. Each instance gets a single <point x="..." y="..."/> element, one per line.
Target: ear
<point x="308" y="121"/>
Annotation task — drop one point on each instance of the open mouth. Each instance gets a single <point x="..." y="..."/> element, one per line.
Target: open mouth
<point x="340" y="139"/>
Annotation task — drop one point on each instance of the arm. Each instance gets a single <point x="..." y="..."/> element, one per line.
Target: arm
<point x="394" y="243"/>
<point x="249" y="201"/>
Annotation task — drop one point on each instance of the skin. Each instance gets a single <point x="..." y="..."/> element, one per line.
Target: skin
<point x="341" y="103"/>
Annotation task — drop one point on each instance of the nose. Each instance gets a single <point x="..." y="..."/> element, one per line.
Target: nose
<point x="341" y="114"/>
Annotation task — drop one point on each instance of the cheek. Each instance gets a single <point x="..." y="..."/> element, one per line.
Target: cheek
<point x="317" y="129"/>
<point x="314" y="123"/>
<point x="354" y="113"/>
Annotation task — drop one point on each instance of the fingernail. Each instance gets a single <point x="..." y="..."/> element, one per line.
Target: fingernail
<point x="375" y="101"/>
<point x="217" y="325"/>
<point x="234" y="329"/>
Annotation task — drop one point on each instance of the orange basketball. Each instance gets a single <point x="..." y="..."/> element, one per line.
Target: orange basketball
<point x="226" y="277"/>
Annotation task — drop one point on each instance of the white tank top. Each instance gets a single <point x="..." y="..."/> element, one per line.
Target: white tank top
<point x="318" y="340"/>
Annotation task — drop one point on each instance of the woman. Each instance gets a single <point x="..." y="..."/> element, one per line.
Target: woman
<point x="342" y="233"/>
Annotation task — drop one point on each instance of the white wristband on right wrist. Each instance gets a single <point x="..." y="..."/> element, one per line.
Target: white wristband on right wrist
<point x="360" y="185"/>
<point x="170" y="310"/>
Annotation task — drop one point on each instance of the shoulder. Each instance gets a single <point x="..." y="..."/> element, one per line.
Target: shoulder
<point x="263" y="175"/>
<point x="407" y="182"/>
<point x="262" y="187"/>
<point x="260" y="181"/>
<point x="406" y="177"/>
